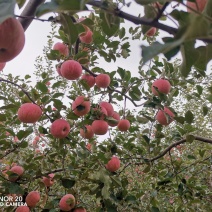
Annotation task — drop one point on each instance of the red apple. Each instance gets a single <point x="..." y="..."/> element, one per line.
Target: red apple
<point x="19" y="170"/>
<point x="86" y="37"/>
<point x="87" y="132"/>
<point x="151" y="31"/>
<point x="113" y="164"/>
<point x="81" y="209"/>
<point x="2" y="65"/>
<point x="99" y="127"/>
<point x="48" y="181"/>
<point x="29" y="113"/>
<point x="67" y="202"/>
<point x="32" y="198"/>
<point x="62" y="48"/>
<point x="123" y="125"/>
<point x="199" y="5"/>
<point x="60" y="128"/>
<point x="102" y="80"/>
<point x="162" y="85"/>
<point x="12" y="39"/>
<point x="81" y="106"/>
<point x="114" y="116"/>
<point x="89" y="80"/>
<point x="71" y="69"/>
<point x="165" y="117"/>
<point x="108" y="107"/>
<point x="22" y="209"/>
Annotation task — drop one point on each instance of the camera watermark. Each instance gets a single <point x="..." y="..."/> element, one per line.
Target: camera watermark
<point x="12" y="200"/>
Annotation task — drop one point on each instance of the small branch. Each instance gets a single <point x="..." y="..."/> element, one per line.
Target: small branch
<point x="133" y="19"/>
<point x="198" y="138"/>
<point x="8" y="152"/>
<point x="160" y="12"/>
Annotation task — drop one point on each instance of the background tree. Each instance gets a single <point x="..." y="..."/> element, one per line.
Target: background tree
<point x="55" y="153"/>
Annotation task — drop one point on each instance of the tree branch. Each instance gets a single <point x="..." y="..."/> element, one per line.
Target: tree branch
<point x="29" y="11"/>
<point x="198" y="138"/>
<point x="134" y="19"/>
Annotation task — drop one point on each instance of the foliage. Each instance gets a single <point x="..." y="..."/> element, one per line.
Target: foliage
<point x="162" y="168"/>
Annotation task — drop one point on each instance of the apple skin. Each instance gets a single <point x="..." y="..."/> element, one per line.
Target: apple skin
<point x="163" y="86"/>
<point x="89" y="79"/>
<point x="115" y="116"/>
<point x="199" y="5"/>
<point x="81" y="106"/>
<point x="113" y="164"/>
<point x="12" y="39"/>
<point x="123" y="125"/>
<point x="71" y="69"/>
<point x="161" y="118"/>
<point x="29" y="113"/>
<point x="151" y="31"/>
<point x="32" y="198"/>
<point x="19" y="170"/>
<point x="22" y="209"/>
<point x="100" y="127"/>
<point x="48" y="181"/>
<point x="62" y="48"/>
<point x="79" y="210"/>
<point x="102" y="80"/>
<point x="87" y="133"/>
<point x="60" y="128"/>
<point x="108" y="107"/>
<point x="2" y="65"/>
<point x="64" y="206"/>
<point x="86" y="37"/>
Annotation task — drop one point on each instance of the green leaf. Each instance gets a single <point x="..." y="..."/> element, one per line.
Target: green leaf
<point x="149" y="52"/>
<point x="199" y="89"/>
<point x="67" y="183"/>
<point x="190" y="138"/>
<point x="110" y="23"/>
<point x="23" y="144"/>
<point x="20" y="3"/>
<point x="2" y="117"/>
<point x="121" y="72"/>
<point x="155" y="209"/>
<point x="190" y="56"/>
<point x="191" y="157"/>
<point x="7" y="8"/>
<point x="10" y="106"/>
<point x="105" y="192"/>
<point x="69" y="28"/>
<point x="145" y="2"/>
<point x="24" y="133"/>
<point x="14" y="188"/>
<point x="72" y="7"/>
<point x="42" y="87"/>
<point x="189" y="117"/>
<point x="205" y="110"/>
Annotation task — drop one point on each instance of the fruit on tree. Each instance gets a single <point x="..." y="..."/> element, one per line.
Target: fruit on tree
<point x="162" y="85"/>
<point x="60" y="128"/>
<point x="19" y="170"/>
<point x="108" y="107"/>
<point x="165" y="116"/>
<point x="2" y="65"/>
<point x="32" y="198"/>
<point x="12" y="39"/>
<point x="22" y="209"/>
<point x="81" y="106"/>
<point x="87" y="132"/>
<point x="199" y="5"/>
<point x="67" y="202"/>
<point x="115" y="116"/>
<point x="151" y="31"/>
<point x="87" y="36"/>
<point x="99" y="127"/>
<point x="113" y="164"/>
<point x="62" y="48"/>
<point x="29" y="113"/>
<point x="100" y="112"/>
<point x="102" y="80"/>
<point x="89" y="80"/>
<point x="88" y="146"/>
<point x="123" y="125"/>
<point x="71" y="69"/>
<point x="48" y="181"/>
<point x="81" y="209"/>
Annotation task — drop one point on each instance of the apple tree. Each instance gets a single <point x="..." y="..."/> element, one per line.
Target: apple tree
<point x="88" y="137"/>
